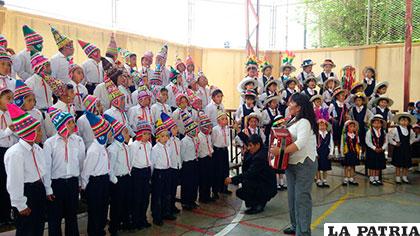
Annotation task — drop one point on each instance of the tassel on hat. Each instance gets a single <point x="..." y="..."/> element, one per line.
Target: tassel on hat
<point x="112" y="46"/>
<point x="87" y="47"/>
<point x="100" y="127"/>
<point x="38" y="61"/>
<point x="117" y="127"/>
<point x="60" y="120"/>
<point x="21" y="91"/>
<point x="60" y="39"/>
<point x="24" y="124"/>
<point x="31" y="37"/>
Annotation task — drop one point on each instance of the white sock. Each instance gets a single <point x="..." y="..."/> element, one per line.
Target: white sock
<point x="376" y="178"/>
<point x="405" y="178"/>
<point x="324" y="180"/>
<point x="351" y="179"/>
<point x="346" y="180"/>
<point x="281" y="180"/>
<point x="371" y="178"/>
<point x="397" y="179"/>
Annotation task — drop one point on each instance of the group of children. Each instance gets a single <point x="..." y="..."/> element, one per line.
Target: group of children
<point x="117" y="134"/>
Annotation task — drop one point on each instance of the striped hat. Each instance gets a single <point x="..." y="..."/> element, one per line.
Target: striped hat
<point x="31" y="37"/>
<point x="3" y="41"/>
<point x="72" y="68"/>
<point x="178" y="98"/>
<point x="189" y="61"/>
<point x="88" y="48"/>
<point x="142" y="94"/>
<point x="220" y="114"/>
<point x="60" y="39"/>
<point x="117" y="127"/>
<point x="189" y="124"/>
<point x="160" y="128"/>
<point x="89" y="101"/>
<point x="197" y="103"/>
<point x="112" y="46"/>
<point x="125" y="53"/>
<point x="4" y="56"/>
<point x="147" y="54"/>
<point x="163" y="51"/>
<point x="38" y="61"/>
<point x="60" y="120"/>
<point x="173" y="75"/>
<point x="113" y="91"/>
<point x="167" y="121"/>
<point x="100" y="127"/>
<point x="24" y="124"/>
<point x="142" y="127"/>
<point x="204" y="119"/>
<point x="21" y="91"/>
<point x="57" y="86"/>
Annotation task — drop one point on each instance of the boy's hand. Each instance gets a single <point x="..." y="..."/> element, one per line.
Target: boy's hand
<point x="51" y="197"/>
<point x="228" y="181"/>
<point x="25" y="212"/>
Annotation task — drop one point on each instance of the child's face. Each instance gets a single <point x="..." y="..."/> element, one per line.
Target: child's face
<point x="327" y="68"/>
<point x="369" y="74"/>
<point x="322" y="126"/>
<point x="145" y="137"/>
<point x="358" y="102"/>
<point x="5" y="68"/>
<point x="126" y="135"/>
<point x="206" y="129"/>
<point x="198" y="105"/>
<point x="340" y="97"/>
<point x="96" y="55"/>
<point x="163" y="96"/>
<point x="174" y="131"/>
<point x="249" y="86"/>
<point x="272" y="87"/>
<point x="145" y="102"/>
<point x="383" y="103"/>
<point x="287" y="71"/>
<point x="38" y="137"/>
<point x="253" y="72"/>
<point x="377" y="124"/>
<point x="404" y="121"/>
<point x="307" y="69"/>
<point x="249" y="101"/>
<point x="311" y="84"/>
<point x="47" y="68"/>
<point x="181" y="67"/>
<point x="202" y="81"/>
<point x="193" y="133"/>
<point x="190" y="68"/>
<point x="133" y="61"/>
<point x="273" y="104"/>
<point x="410" y="108"/>
<point x="70" y="95"/>
<point x="99" y="108"/>
<point x="382" y="90"/>
<point x="71" y="126"/>
<point x="218" y="98"/>
<point x="179" y="79"/>
<point x="318" y="102"/>
<point x="330" y="84"/>
<point x="29" y="102"/>
<point x="194" y="86"/>
<point x="253" y="122"/>
<point x="164" y="137"/>
<point x="78" y="75"/>
<point x="351" y="128"/>
<point x="223" y="121"/>
<point x="5" y="98"/>
<point x="359" y="89"/>
<point x="291" y="85"/>
<point x="183" y="103"/>
<point x="268" y="71"/>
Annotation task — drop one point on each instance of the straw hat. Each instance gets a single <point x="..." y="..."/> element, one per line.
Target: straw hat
<point x="310" y="77"/>
<point x="286" y="82"/>
<point x="254" y="115"/>
<point x="317" y="96"/>
<point x="380" y="118"/>
<point x="328" y="62"/>
<point x="307" y="62"/>
<point x="337" y="82"/>
<point x="381" y="84"/>
<point x="396" y="118"/>
<point x="356" y="85"/>
<point x="359" y="95"/>
<point x="325" y="122"/>
<point x="369" y="68"/>
<point x="270" y="98"/>
<point x="347" y="123"/>
<point x="287" y="65"/>
<point x="375" y="101"/>
<point x="270" y="82"/>
<point x="339" y="90"/>
<point x="247" y="80"/>
<point x="249" y="92"/>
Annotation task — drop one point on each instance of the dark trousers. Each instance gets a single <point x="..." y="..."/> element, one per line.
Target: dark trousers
<point x="250" y="197"/>
<point x="221" y="168"/>
<point x="34" y="223"/>
<point x="97" y="194"/>
<point x="141" y="192"/>
<point x="121" y="199"/>
<point x="189" y="182"/>
<point x="5" y="207"/>
<point x="161" y="193"/>
<point x="65" y="205"/>
<point x="205" y="177"/>
<point x="173" y="187"/>
<point x="90" y="88"/>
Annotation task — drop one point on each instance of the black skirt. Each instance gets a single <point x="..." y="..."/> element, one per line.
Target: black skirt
<point x="374" y="160"/>
<point x="350" y="159"/>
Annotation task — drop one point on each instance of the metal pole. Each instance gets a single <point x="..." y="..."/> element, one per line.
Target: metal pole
<point x="305" y="26"/>
<point x="247" y="43"/>
<point x="368" y="23"/>
<point x="407" y="46"/>
<point x="257" y="29"/>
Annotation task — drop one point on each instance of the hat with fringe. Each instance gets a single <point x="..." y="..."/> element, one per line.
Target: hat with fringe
<point x="60" y="119"/>
<point x="252" y="62"/>
<point x="38" y="61"/>
<point x="117" y="127"/>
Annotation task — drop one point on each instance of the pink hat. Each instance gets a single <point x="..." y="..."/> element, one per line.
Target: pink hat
<point x="178" y="98"/>
<point x="148" y="54"/>
<point x="189" y="61"/>
<point x="25" y="125"/>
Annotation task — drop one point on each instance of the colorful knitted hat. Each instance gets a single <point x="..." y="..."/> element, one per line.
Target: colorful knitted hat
<point x="60" y="120"/>
<point x="178" y="98"/>
<point x="60" y="39"/>
<point x="179" y="62"/>
<point x="72" y="68"/>
<point x="204" y="119"/>
<point x="189" y="124"/>
<point x="163" y="51"/>
<point x="100" y="127"/>
<point x="173" y="75"/>
<point x="89" y="101"/>
<point x="21" y="91"/>
<point x="38" y="61"/>
<point x="112" y="46"/>
<point x="31" y="37"/>
<point x="117" y="127"/>
<point x="4" y="56"/>
<point x="57" y="86"/>
<point x="252" y="62"/>
<point x="112" y="89"/>
<point x="196" y="103"/>
<point x="125" y="53"/>
<point x="3" y="41"/>
<point x="24" y="124"/>
<point x="167" y="121"/>
<point x="286" y="59"/>
<point x="142" y="127"/>
<point x="88" y="48"/>
<point x="221" y="114"/>
<point x="160" y="128"/>
<point x="142" y="94"/>
<point x="189" y="61"/>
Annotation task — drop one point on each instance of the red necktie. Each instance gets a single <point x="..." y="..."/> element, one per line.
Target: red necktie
<point x="45" y="92"/>
<point x="145" y="152"/>
<point x="166" y="154"/>
<point x="36" y="164"/>
<point x="66" y="155"/>
<point x="126" y="158"/>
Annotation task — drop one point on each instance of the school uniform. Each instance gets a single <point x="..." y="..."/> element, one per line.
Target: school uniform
<point x="120" y="116"/>
<point x="141" y="173"/>
<point x="25" y="170"/>
<point x="337" y="111"/>
<point x="138" y="112"/>
<point x="120" y="192"/>
<point x="262" y="81"/>
<point x="350" y="150"/>
<point x="376" y="139"/>
<point x="41" y="90"/>
<point x="370" y="86"/>
<point x="94" y="74"/>
<point x="243" y="111"/>
<point x="102" y="94"/>
<point x="220" y="138"/>
<point x="212" y="109"/>
<point x="60" y="67"/>
<point x="160" y="204"/>
<point x="384" y="112"/>
<point x="324" y="76"/>
<point x="362" y="115"/>
<point x="206" y="175"/>
<point x="177" y="116"/>
<point x="63" y="161"/>
<point x="173" y="90"/>
<point x="302" y="76"/>
<point x="60" y="105"/>
<point x="325" y="148"/>
<point x="268" y="119"/>
<point x="7" y="82"/>
<point x="174" y="145"/>
<point x="22" y="64"/>
<point x="286" y="94"/>
<point x="327" y="96"/>
<point x="7" y="139"/>
<point x="309" y="92"/>
<point x="189" y="171"/>
<point x="205" y="94"/>
<point x="80" y="91"/>
<point x="401" y="155"/>
<point x="129" y="100"/>
<point x="263" y="96"/>
<point x="95" y="177"/>
<point x="85" y="131"/>
<point x="157" y="109"/>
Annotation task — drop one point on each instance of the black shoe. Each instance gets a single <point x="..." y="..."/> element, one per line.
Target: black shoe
<point x="325" y="185"/>
<point x="405" y="182"/>
<point x="319" y="185"/>
<point x="228" y="192"/>
<point x="169" y="217"/>
<point x="158" y="222"/>
<point x="289" y="230"/>
<point x="372" y="183"/>
<point x="205" y="201"/>
<point x="354" y="183"/>
<point x="195" y="205"/>
<point x="345" y="183"/>
<point x="215" y="196"/>
<point x="187" y="207"/>
<point x="254" y="210"/>
<point x="146" y="224"/>
<point x="175" y="210"/>
<point x="378" y="182"/>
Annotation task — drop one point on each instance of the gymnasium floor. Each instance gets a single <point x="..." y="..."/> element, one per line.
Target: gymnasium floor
<point x="365" y="203"/>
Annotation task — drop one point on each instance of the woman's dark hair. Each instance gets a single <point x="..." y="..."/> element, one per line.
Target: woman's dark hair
<point x="106" y="64"/>
<point x="306" y="110"/>
<point x="255" y="139"/>
<point x="115" y="73"/>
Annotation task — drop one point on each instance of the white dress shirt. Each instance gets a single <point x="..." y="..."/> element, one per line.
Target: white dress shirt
<point x="393" y="136"/>
<point x="22" y="64"/>
<point x="206" y="147"/>
<point x="63" y="159"/>
<point x="96" y="163"/>
<point x="129" y="101"/>
<point x="80" y="91"/>
<point x="8" y="82"/>
<point x="24" y="164"/>
<point x="60" y="105"/>
<point x="7" y="136"/>
<point x="120" y="116"/>
<point x="204" y="94"/>
<point x="305" y="140"/>
<point x="174" y="145"/>
<point x="42" y="91"/>
<point x="390" y="115"/>
<point x="137" y="113"/>
<point x="173" y="90"/>
<point x="189" y="148"/>
<point x="141" y="154"/>
<point x="157" y="109"/>
<point x="284" y="95"/>
<point x="377" y="134"/>
<point x="121" y="159"/>
<point x="60" y="67"/>
<point x="94" y="73"/>
<point x="266" y="118"/>
<point x="220" y="137"/>
<point x="327" y="95"/>
<point x="85" y="131"/>
<point x="212" y="109"/>
<point x="240" y="112"/>
<point x="102" y="94"/>
<point x="160" y="157"/>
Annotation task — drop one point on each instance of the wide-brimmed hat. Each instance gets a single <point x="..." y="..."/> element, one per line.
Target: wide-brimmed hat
<point x="309" y="78"/>
<point x="287" y="65"/>
<point x="247" y="80"/>
<point x="369" y="68"/>
<point x="317" y="96"/>
<point x="375" y="101"/>
<point x="328" y="62"/>
<point x="347" y="123"/>
<point x="339" y="90"/>
<point x="359" y="95"/>
<point x="266" y="64"/>
<point x="286" y="82"/>
<point x="397" y="117"/>
<point x="380" y="118"/>
<point x="325" y="122"/>
<point x="356" y="85"/>
<point x="249" y="92"/>
<point x="307" y="62"/>
<point x="270" y="98"/>
<point x="381" y="84"/>
<point x="272" y="82"/>
<point x="337" y="82"/>
<point x="253" y="115"/>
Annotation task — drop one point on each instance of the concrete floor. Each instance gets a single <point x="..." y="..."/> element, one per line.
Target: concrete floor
<point x="365" y="203"/>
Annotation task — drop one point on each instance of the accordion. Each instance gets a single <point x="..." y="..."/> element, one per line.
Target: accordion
<point x="279" y="137"/>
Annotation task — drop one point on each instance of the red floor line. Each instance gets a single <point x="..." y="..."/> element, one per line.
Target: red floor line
<point x="210" y="214"/>
<point x="190" y="227"/>
<point x="259" y="227"/>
